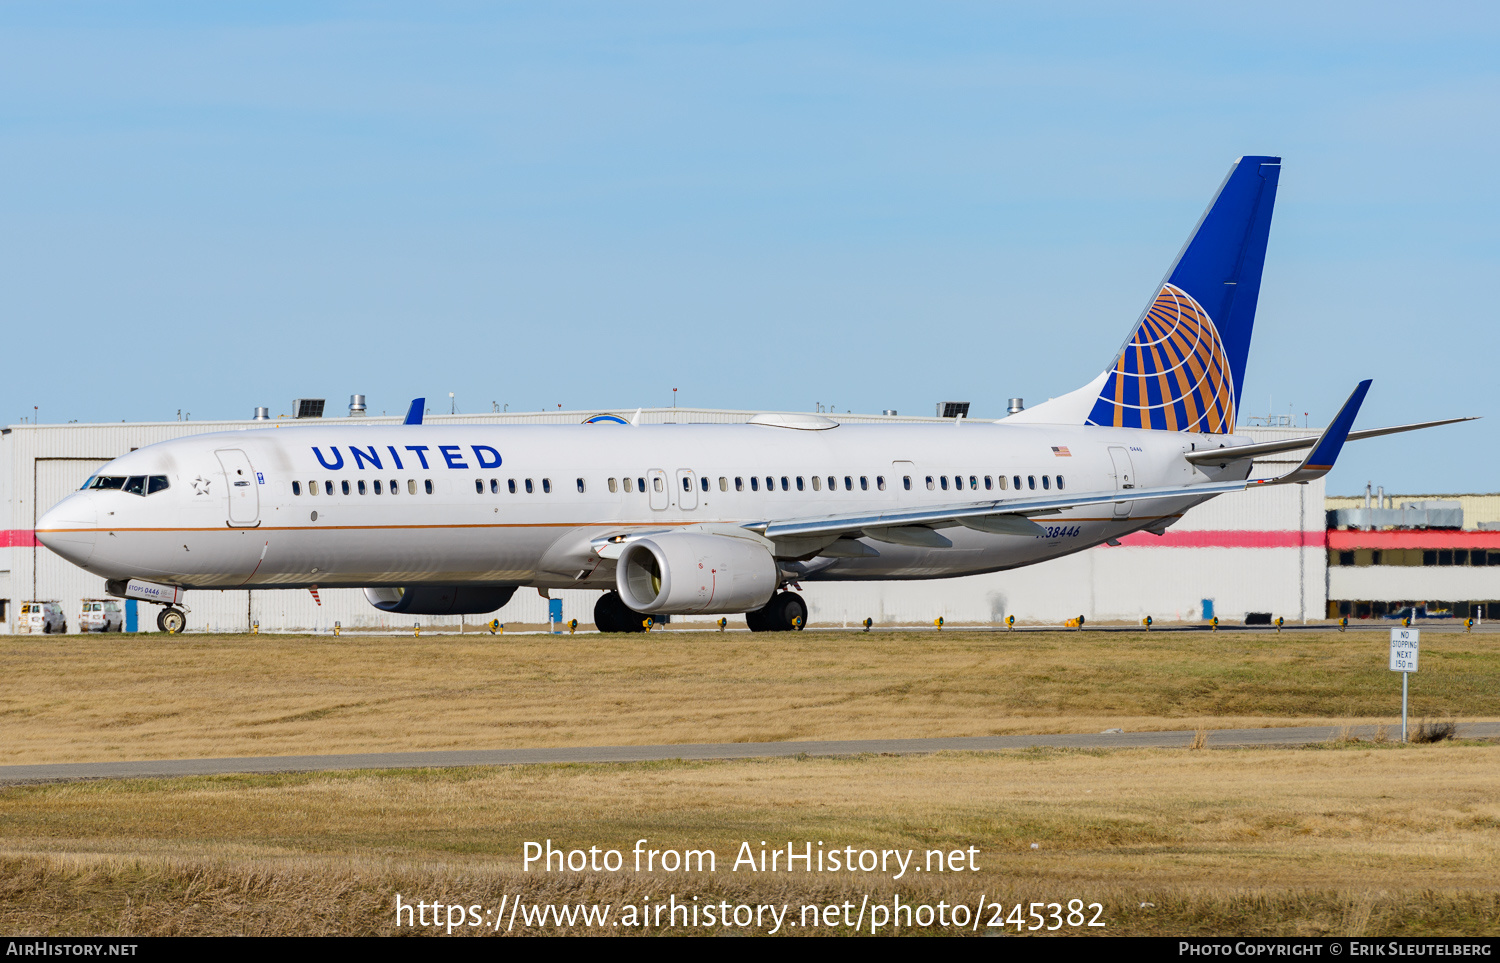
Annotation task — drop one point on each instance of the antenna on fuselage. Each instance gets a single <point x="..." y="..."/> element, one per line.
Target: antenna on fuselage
<point x="414" y="413"/>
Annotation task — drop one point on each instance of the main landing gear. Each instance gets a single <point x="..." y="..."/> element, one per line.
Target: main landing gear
<point x="171" y="620"/>
<point x="611" y="614"/>
<point x="786" y="612"/>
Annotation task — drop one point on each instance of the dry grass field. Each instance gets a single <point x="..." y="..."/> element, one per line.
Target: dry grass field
<point x="1343" y="838"/>
<point x="1332" y="840"/>
<point x="89" y="698"/>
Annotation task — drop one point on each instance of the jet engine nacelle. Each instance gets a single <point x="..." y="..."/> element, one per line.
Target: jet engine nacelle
<point x="440" y="599"/>
<point x="683" y="573"/>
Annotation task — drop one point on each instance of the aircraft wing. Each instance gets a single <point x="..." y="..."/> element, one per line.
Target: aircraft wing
<point x="1013" y="515"/>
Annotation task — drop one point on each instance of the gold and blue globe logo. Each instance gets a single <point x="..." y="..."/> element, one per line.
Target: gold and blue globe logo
<point x="1172" y="375"/>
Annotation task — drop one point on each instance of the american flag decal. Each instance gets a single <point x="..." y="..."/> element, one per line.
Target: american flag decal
<point x="1061" y="451"/>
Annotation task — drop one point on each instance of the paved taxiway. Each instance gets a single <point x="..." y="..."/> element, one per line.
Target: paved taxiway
<point x="1222" y="738"/>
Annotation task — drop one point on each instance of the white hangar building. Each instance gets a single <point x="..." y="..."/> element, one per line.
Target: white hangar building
<point x="1260" y="551"/>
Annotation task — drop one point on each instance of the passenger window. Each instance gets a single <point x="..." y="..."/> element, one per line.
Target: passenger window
<point x="723" y="483"/>
<point x="361" y="484"/>
<point x="833" y="483"/>
<point x="770" y="483"/>
<point x="864" y="483"/>
<point x="511" y="485"/>
<point x="1059" y="483"/>
<point x="640" y="484"/>
<point x="345" y="486"/>
<point x="157" y="483"/>
<point x="880" y="482"/>
<point x="703" y="482"/>
<point x="755" y="483"/>
<point x="377" y="486"/>
<point x="629" y="485"/>
<point x="848" y="484"/>
<point x="687" y="483"/>
<point x="395" y="486"/>
<point x="929" y="483"/>
<point x="546" y="486"/>
<point x="1016" y="480"/>
<point x="614" y="486"/>
<point x="529" y="490"/>
<point x="1047" y="481"/>
<point x="906" y="482"/>
<point x="739" y="483"/>
<point x="989" y="483"/>
<point x="479" y="486"/>
<point x="973" y="483"/>
<point x="1031" y="482"/>
<point x="312" y="488"/>
<point x="817" y="484"/>
<point x="799" y="483"/>
<point x="494" y="486"/>
<point x="943" y="481"/>
<point x="958" y="482"/>
<point x="581" y="486"/>
<point x="784" y="486"/>
<point x="427" y="484"/>
<point x="296" y="488"/>
<point x="328" y="488"/>
<point x="656" y="484"/>
<point x="1004" y="482"/>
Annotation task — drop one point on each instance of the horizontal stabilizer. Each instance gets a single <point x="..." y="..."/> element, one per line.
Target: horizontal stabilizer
<point x="1223" y="456"/>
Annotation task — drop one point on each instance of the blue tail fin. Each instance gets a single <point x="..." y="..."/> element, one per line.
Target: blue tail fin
<point x="1184" y="364"/>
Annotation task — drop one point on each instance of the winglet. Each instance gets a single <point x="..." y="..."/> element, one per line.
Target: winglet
<point x="1320" y="460"/>
<point x="414" y="413"/>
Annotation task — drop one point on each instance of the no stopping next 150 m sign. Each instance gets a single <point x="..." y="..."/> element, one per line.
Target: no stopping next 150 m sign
<point x="1404" y="649"/>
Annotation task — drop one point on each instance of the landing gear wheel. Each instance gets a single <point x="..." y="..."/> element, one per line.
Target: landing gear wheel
<point x="784" y="613"/>
<point x="172" y="621"/>
<point x="611" y="614"/>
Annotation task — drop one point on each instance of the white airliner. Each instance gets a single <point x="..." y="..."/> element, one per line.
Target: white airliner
<point x="680" y="519"/>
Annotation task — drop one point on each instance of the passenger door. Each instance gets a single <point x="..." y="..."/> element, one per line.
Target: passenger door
<point x="239" y="478"/>
<point x="1124" y="477"/>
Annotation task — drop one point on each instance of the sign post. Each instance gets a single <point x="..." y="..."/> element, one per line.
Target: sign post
<point x="1404" y="646"/>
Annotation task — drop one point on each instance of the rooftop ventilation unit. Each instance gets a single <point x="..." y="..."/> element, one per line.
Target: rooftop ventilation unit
<point x="262" y="414"/>
<point x="953" y="409"/>
<point x="307" y="408"/>
<point x="356" y="406"/>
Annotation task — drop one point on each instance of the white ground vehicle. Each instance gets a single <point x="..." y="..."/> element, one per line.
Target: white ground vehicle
<point x="46" y="617"/>
<point x="101" y="615"/>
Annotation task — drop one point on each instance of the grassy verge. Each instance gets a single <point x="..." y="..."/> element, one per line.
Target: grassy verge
<point x="1349" y="839"/>
<point x="82" y="698"/>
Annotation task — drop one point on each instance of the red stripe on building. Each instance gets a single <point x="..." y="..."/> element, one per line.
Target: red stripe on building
<point x="1413" y="538"/>
<point x="17" y="538"/>
<point x="1225" y="539"/>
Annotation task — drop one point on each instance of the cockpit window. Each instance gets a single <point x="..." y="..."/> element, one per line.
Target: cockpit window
<point x="134" y="484"/>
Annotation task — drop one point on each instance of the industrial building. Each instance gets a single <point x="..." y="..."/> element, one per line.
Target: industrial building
<point x="1284" y="551"/>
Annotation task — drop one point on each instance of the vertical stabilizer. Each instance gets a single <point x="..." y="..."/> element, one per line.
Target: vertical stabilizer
<point x="1184" y="363"/>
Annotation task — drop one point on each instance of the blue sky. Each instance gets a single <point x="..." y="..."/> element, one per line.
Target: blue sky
<point x="213" y="207"/>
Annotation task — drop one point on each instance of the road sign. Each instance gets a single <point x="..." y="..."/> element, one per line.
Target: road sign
<point x="1404" y="649"/>
<point x="1404" y="660"/>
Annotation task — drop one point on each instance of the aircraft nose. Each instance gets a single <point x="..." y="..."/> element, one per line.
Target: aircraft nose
<point x="69" y="528"/>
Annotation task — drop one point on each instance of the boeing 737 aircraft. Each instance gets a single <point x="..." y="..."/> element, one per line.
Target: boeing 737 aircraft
<point x="679" y="519"/>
